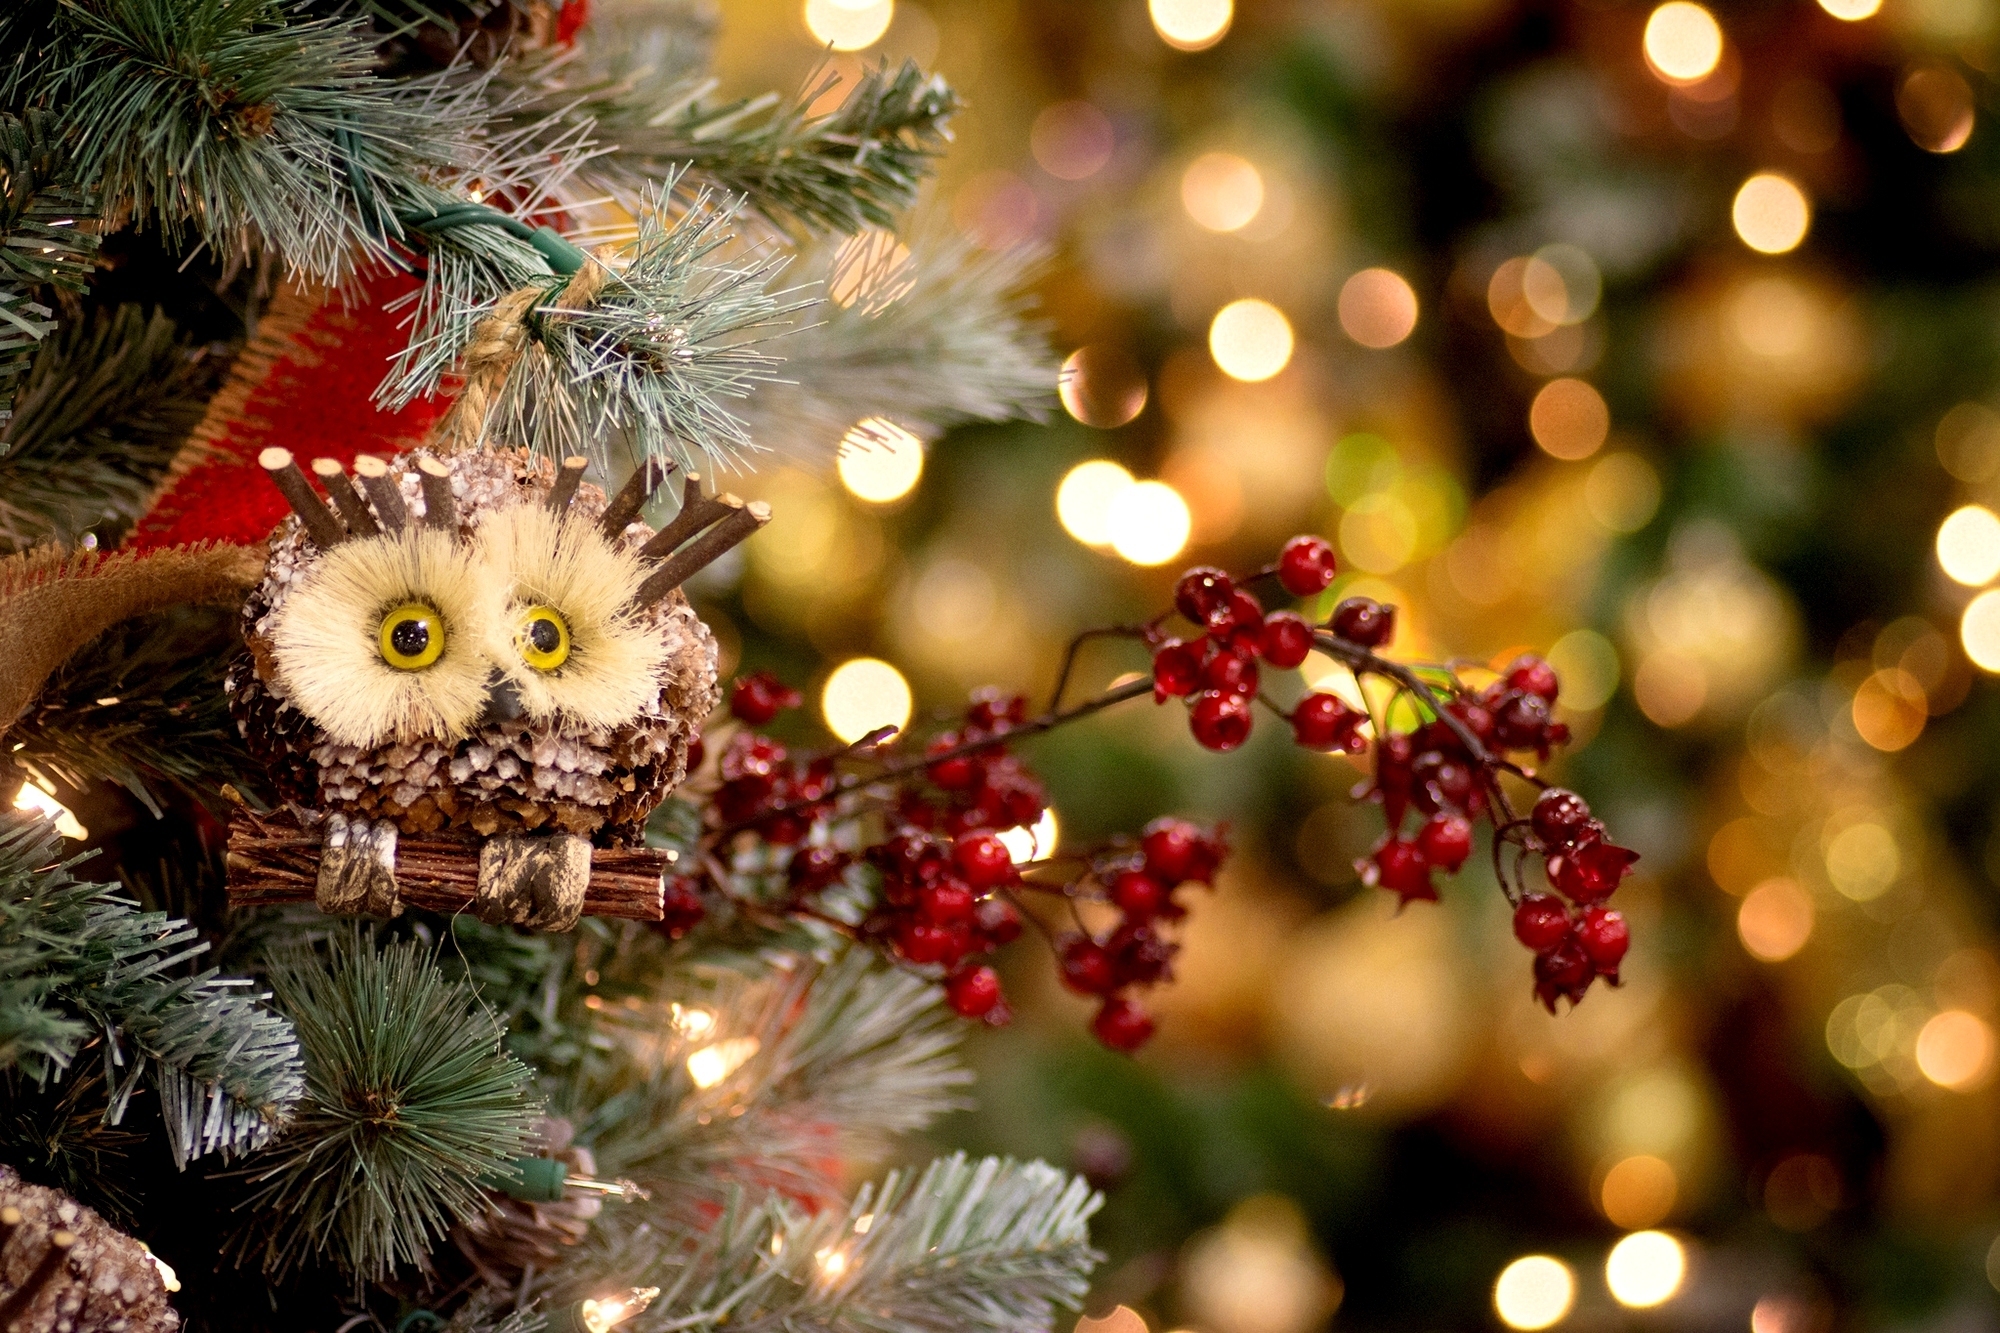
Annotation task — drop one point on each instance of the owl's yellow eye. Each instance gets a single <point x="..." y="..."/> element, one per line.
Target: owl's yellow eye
<point x="412" y="636"/>
<point x="543" y="638"/>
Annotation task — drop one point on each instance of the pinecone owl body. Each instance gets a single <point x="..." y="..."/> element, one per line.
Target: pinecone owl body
<point x="482" y="649"/>
<point x="599" y="778"/>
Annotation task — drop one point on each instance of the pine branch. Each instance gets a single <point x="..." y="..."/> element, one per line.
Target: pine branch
<point x="834" y="1058"/>
<point x="46" y="240"/>
<point x="671" y="337"/>
<point x="942" y="338"/>
<point x="840" y="171"/>
<point x="76" y="958"/>
<point x="96" y="424"/>
<point x="55" y="1134"/>
<point x="992" y="1245"/>
<point x="409" y="1103"/>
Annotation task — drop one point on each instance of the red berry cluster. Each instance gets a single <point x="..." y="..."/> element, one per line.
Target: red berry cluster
<point x="1216" y="670"/>
<point x="983" y="787"/>
<point x="1136" y="953"/>
<point x="941" y="905"/>
<point x="1578" y="941"/>
<point x="1437" y="771"/>
<point x="762" y="785"/>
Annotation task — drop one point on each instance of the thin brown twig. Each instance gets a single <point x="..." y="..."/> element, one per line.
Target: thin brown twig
<point x="1076" y="645"/>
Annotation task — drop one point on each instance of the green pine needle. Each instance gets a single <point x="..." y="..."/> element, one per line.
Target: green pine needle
<point x="409" y="1102"/>
<point x="78" y="960"/>
<point x="46" y="240"/>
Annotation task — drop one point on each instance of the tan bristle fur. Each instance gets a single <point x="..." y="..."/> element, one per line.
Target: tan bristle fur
<point x="616" y="654"/>
<point x="326" y="640"/>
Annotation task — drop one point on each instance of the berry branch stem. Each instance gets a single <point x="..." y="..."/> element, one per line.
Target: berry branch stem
<point x="1358" y="659"/>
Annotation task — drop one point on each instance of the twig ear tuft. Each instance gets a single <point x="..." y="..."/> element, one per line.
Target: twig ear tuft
<point x="320" y="524"/>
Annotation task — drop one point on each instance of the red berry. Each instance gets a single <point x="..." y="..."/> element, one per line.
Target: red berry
<point x="1137" y="894"/>
<point x="1285" y="640"/>
<point x="1439" y="783"/>
<point x="696" y="753"/>
<point x="1558" y="816"/>
<point x="1086" y="967"/>
<point x="984" y="860"/>
<point x="1365" y="621"/>
<point x="993" y="710"/>
<point x="996" y="919"/>
<point x="946" y="903"/>
<point x="813" y="868"/>
<point x="1231" y="673"/>
<point x="1531" y="674"/>
<point x="1173" y="847"/>
<point x="972" y="991"/>
<point x="1220" y="721"/>
<point x="680" y="896"/>
<point x="1398" y="865"/>
<point x="921" y="942"/>
<point x="1522" y="721"/>
<point x="1122" y="1025"/>
<point x="953" y="774"/>
<point x="1239" y="626"/>
<point x="570" y="20"/>
<point x="1177" y="668"/>
<point x="1323" y="722"/>
<point x="760" y="697"/>
<point x="1202" y="592"/>
<point x="1562" y="972"/>
<point x="1541" y="921"/>
<point x="1140" y="954"/>
<point x="1392" y="775"/>
<point x="1305" y="566"/>
<point x="1446" y="840"/>
<point x="1590" y="873"/>
<point x="1604" y="936"/>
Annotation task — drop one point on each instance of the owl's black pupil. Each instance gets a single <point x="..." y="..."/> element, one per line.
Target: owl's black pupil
<point x="545" y="634"/>
<point x="411" y="637"/>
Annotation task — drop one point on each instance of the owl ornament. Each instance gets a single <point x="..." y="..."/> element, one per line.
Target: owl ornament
<point x="471" y="678"/>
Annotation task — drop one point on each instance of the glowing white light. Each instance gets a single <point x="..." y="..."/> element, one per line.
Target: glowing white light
<point x="36" y="797"/>
<point x="692" y="1023"/>
<point x="606" y="1313"/>
<point x="1645" y="1269"/>
<point x="1968" y="545"/>
<point x="1683" y="42"/>
<point x="712" y="1064"/>
<point x="863" y="694"/>
<point x="1149" y="523"/>
<point x="1083" y="500"/>
<point x="1534" y="1292"/>
<point x="846" y="27"/>
<point x="879" y="461"/>
<point x="1771" y="213"/>
<point x="1027" y="843"/>
<point x="1191" y="25"/>
<point x="1250" y="339"/>
<point x="1979" y="631"/>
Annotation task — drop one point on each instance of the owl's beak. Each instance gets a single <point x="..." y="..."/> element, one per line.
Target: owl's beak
<point x="503" y="701"/>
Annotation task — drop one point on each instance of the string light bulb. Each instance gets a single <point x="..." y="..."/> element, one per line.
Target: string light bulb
<point x="600" y="1316"/>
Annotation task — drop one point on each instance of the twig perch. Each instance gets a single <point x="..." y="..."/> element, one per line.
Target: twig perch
<point x="274" y="858"/>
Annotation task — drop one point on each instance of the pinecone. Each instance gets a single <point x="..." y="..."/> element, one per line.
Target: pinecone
<point x="511" y="1234"/>
<point x="64" y="1269"/>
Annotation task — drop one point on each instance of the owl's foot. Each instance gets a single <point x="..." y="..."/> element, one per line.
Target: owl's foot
<point x="357" y="868"/>
<point x="535" y="880"/>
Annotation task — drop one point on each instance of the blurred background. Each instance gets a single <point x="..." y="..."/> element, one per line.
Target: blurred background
<point x="1663" y="339"/>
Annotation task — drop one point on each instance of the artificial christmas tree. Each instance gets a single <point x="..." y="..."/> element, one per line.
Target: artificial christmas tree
<point x="635" y="993"/>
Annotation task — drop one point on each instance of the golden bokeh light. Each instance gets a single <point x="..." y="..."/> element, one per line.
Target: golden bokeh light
<point x="1968" y="545"/>
<point x="1771" y="213"/>
<point x="997" y="209"/>
<point x="1191" y="25"/>
<point x="1968" y="442"/>
<point x="1102" y="386"/>
<point x="714" y="1063"/>
<point x="1645" y="1269"/>
<point x="1378" y="534"/>
<point x="1622" y="492"/>
<point x="1936" y="107"/>
<point x="1569" y="419"/>
<point x="1032" y="842"/>
<point x="1507" y="301"/>
<point x="1851" y="11"/>
<point x="1534" y="1291"/>
<point x="1775" y="920"/>
<point x="879" y="461"/>
<point x="1378" y="307"/>
<point x="862" y="694"/>
<point x="1072" y="141"/>
<point x="34" y="796"/>
<point x="1683" y="42"/>
<point x="1638" y="1191"/>
<point x="1587" y="664"/>
<point x="1561" y="284"/>
<point x="1890" y="709"/>
<point x="1670" y="689"/>
<point x="1251" y="340"/>
<point x="1955" y="1050"/>
<point x="1259" y="1272"/>
<point x="1979" y="631"/>
<point x="1148" y="523"/>
<point x="1863" y="861"/>
<point x="1083" y="499"/>
<point x="1122" y="1319"/>
<point x="846" y="26"/>
<point x="1222" y="192"/>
